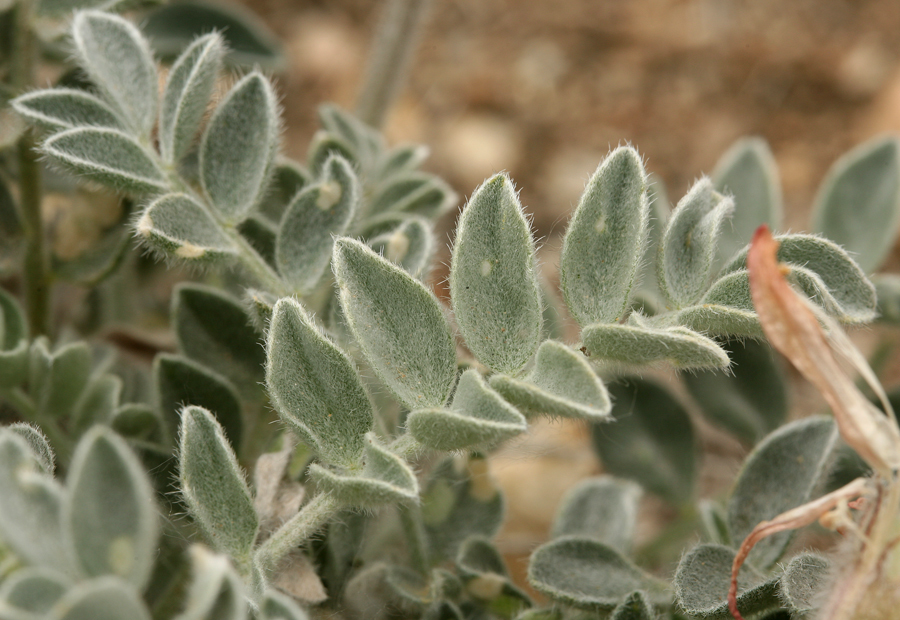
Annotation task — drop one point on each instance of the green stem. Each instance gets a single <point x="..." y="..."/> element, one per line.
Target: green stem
<point x="406" y="446"/>
<point x="255" y="264"/>
<point x="296" y="531"/>
<point x="37" y="278"/>
<point x="414" y="530"/>
<point x="395" y="41"/>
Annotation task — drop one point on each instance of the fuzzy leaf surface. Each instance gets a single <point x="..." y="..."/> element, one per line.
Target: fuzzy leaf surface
<point x="858" y="205"/>
<point x="688" y="246"/>
<point x="781" y="473"/>
<point x="561" y="383"/>
<point x="638" y="343"/>
<point x="312" y="220"/>
<point x="704" y="576"/>
<point x="605" y="240"/>
<point x="181" y="382"/>
<point x="493" y="278"/>
<point x="278" y="606"/>
<point x="216" y="592"/>
<point x="107" y="598"/>
<point x="213" y="484"/>
<point x="749" y="174"/>
<point x="58" y="109"/>
<point x="118" y="60"/>
<point x="107" y="156"/>
<point x="59" y="378"/>
<point x="385" y="479"/>
<point x="586" y="574"/>
<point x="602" y="508"/>
<point x="238" y="147"/>
<point x="398" y="323"/>
<point x="734" y="400"/>
<point x="802" y="582"/>
<point x="98" y="402"/>
<point x="651" y="440"/>
<point x="315" y="387"/>
<point x="188" y="90"/>
<point x="180" y="227"/>
<point x="32" y="589"/>
<point x="636" y="606"/>
<point x="410" y="244"/>
<point x="414" y="192"/>
<point x="37" y="441"/>
<point x="109" y="518"/>
<point x="478" y="416"/>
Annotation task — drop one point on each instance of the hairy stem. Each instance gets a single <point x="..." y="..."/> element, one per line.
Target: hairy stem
<point x="37" y="278"/>
<point x="296" y="531"/>
<point x="392" y="51"/>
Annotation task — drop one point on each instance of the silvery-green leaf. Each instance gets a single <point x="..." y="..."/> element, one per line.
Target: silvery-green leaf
<point x="716" y="320"/>
<point x="401" y="158"/>
<point x="33" y="590"/>
<point x="384" y="479"/>
<point x="214" y="329"/>
<point x="139" y="422"/>
<point x="325" y="145"/>
<point x="413" y="192"/>
<point x="260" y="305"/>
<point x="554" y="323"/>
<point x="714" y="521"/>
<point x="315" y="387"/>
<point x="603" y="508"/>
<point x="649" y="293"/>
<point x="216" y="592"/>
<point x="478" y="416"/>
<point x="493" y="278"/>
<point x="636" y="606"/>
<point x="837" y="283"/>
<point x="486" y="578"/>
<point x="651" y="440"/>
<point x="398" y="323"/>
<point x="238" y="147"/>
<point x="688" y="247"/>
<point x="288" y="178"/>
<point x="858" y="205"/>
<point x="98" y="403"/>
<point x="261" y="234"/>
<point x="188" y="90"/>
<point x="560" y="384"/>
<point x="107" y="156"/>
<point x="782" y="472"/>
<point x="703" y="578"/>
<point x="58" y="109"/>
<point x="310" y="223"/>
<point x="586" y="574"/>
<point x="109" y="518"/>
<point x="107" y="598"/>
<point x="118" y="60"/>
<point x="640" y="344"/>
<point x="171" y="28"/>
<point x="605" y="240"/>
<point x="213" y="484"/>
<point x="734" y="400"/>
<point x="30" y="510"/>
<point x="410" y="244"/>
<point x="887" y="289"/>
<point x="58" y="379"/>
<point x="277" y="606"/>
<point x="13" y="342"/>
<point x="178" y="226"/>
<point x="38" y="443"/>
<point x="800" y="587"/>
<point x="460" y="500"/>
<point x="366" y="142"/>
<point x="181" y="382"/>
<point x="748" y="173"/>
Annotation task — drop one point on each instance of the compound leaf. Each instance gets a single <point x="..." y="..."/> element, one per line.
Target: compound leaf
<point x="605" y="240"/>
<point x="493" y="278"/>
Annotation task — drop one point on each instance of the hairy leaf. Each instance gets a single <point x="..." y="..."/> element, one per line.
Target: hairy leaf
<point x="478" y="417"/>
<point x="602" y="508"/>
<point x="605" y="240"/>
<point x="402" y="158"/>
<point x="858" y="205"/>
<point x="37" y="441"/>
<point x="493" y="278"/>
<point x="58" y="109"/>
<point x="180" y="227"/>
<point x="213" y="484"/>
<point x="312" y="220"/>
<point x="107" y="156"/>
<point x="688" y="246"/>
<point x="651" y="441"/>
<point x="782" y="472"/>
<point x="58" y="379"/>
<point x="561" y="383"/>
<point x="410" y="244"/>
<point x="748" y="173"/>
<point x="118" y="60"/>
<point x="278" y="606"/>
<point x="414" y="192"/>
<point x="238" y="147"/>
<point x="315" y="387"/>
<point x="107" y="598"/>
<point x="188" y="90"/>
<point x="33" y="590"/>
<point x="98" y="402"/>
<point x="801" y="584"/>
<point x="398" y="323"/>
<point x="486" y="579"/>
<point x="216" y="592"/>
<point x="636" y="607"/>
